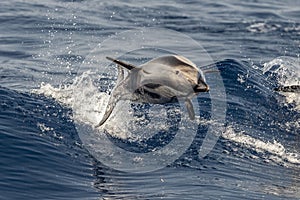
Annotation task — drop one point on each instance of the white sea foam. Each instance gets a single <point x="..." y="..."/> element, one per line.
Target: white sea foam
<point x="273" y="151"/>
<point x="263" y="27"/>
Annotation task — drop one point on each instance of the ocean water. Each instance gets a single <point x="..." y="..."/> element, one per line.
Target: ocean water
<point x="55" y="83"/>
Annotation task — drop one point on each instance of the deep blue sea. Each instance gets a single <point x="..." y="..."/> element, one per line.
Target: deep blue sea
<point x="54" y="81"/>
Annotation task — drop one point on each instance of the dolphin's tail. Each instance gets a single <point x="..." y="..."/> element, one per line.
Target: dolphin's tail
<point x="120" y="93"/>
<point x="121" y="63"/>
<point x="114" y="98"/>
<point x="110" y="107"/>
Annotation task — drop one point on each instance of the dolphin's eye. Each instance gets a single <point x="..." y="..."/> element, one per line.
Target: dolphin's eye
<point x="177" y="72"/>
<point x="189" y="80"/>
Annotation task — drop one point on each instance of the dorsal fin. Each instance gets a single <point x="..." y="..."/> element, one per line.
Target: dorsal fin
<point x="121" y="63"/>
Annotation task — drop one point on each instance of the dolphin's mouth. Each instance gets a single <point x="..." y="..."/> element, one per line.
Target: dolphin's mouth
<point x="201" y="88"/>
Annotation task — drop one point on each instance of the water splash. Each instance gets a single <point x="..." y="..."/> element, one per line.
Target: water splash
<point x="82" y="96"/>
<point x="286" y="71"/>
<point x="88" y="105"/>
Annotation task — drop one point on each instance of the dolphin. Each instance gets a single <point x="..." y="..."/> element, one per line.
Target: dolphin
<point x="162" y="80"/>
<point x="290" y="88"/>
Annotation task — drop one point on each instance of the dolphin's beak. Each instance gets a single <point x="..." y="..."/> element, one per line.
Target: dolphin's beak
<point x="201" y="85"/>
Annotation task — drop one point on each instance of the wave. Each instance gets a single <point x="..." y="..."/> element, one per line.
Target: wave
<point x="252" y="108"/>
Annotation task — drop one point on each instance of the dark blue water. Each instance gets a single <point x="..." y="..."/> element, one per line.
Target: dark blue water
<point x="42" y="155"/>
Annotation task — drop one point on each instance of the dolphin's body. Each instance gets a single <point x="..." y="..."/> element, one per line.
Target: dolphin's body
<point x="161" y="80"/>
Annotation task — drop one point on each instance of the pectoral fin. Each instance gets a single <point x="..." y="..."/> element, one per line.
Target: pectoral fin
<point x="190" y="109"/>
